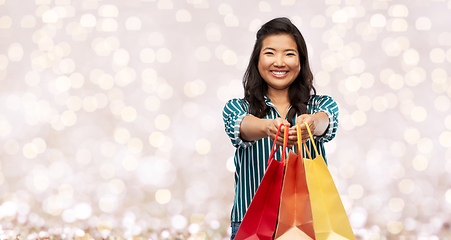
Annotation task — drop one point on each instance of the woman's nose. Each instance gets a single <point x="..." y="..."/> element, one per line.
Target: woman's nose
<point x="279" y="62"/>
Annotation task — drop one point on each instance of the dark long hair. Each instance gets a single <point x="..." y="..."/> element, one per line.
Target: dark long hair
<point x="255" y="87"/>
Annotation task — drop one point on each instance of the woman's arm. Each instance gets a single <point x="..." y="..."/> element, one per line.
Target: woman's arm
<point x="318" y="124"/>
<point x="253" y="128"/>
<point x="323" y="121"/>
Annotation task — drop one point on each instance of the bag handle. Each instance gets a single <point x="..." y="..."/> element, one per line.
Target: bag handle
<point x="285" y="138"/>
<point x="298" y="129"/>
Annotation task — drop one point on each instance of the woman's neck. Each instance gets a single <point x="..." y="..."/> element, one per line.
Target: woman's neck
<point x="278" y="96"/>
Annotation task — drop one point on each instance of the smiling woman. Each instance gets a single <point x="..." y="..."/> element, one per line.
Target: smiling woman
<point x="278" y="89"/>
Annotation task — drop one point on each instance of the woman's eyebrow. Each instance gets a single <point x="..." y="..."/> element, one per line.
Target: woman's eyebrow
<point x="269" y="48"/>
<point x="286" y="50"/>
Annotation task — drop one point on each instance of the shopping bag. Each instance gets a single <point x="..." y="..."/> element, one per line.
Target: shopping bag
<point x="329" y="216"/>
<point x="260" y="219"/>
<point x="295" y="220"/>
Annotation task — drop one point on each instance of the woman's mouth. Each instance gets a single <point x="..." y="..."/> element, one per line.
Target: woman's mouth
<point x="279" y="74"/>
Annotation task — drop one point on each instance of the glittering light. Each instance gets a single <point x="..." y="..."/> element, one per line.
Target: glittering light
<point x="4" y="61"/>
<point x="11" y="147"/>
<point x="445" y="139"/>
<point x="88" y="20"/>
<point x="448" y="122"/>
<point x="423" y="24"/>
<point x="396" y="204"/>
<point x="133" y="24"/>
<point x="420" y="163"/>
<point x="162" y="122"/>
<point x="157" y="139"/>
<point x="179" y="222"/>
<point x="418" y="114"/>
<point x="107" y="25"/>
<point x="163" y="196"/>
<point x="15" y="52"/>
<point x="163" y="55"/>
<point x="437" y="55"/>
<point x="83" y="211"/>
<point x="411" y="57"/>
<point x="378" y="20"/>
<point x="5" y="22"/>
<point x="340" y="16"/>
<point x="230" y="165"/>
<point x="213" y="33"/>
<point x="406" y="186"/>
<point x="195" y="88"/>
<point x="50" y="16"/>
<point x="397" y="25"/>
<point x="108" y="10"/>
<point x="398" y="10"/>
<point x="356" y="191"/>
<point x="203" y="146"/>
<point x="415" y="76"/>
<point x="121" y="57"/>
<point x="183" y="15"/>
<point x="448" y="196"/>
<point x="165" y="4"/>
<point x="27" y="21"/>
<point x="394" y="227"/>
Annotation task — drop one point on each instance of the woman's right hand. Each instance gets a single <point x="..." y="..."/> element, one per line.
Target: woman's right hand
<point x="272" y="131"/>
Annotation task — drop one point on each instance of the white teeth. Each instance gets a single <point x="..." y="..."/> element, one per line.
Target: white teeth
<point x="279" y="73"/>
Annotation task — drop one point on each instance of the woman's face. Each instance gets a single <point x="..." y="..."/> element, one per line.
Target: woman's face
<point x="279" y="63"/>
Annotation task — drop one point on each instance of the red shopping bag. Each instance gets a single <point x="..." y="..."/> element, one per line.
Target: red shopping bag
<point x="260" y="219"/>
<point x="295" y="212"/>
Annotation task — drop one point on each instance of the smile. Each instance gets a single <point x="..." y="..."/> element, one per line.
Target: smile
<point x="279" y="74"/>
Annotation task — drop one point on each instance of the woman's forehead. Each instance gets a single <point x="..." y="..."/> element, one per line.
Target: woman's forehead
<point x="279" y="41"/>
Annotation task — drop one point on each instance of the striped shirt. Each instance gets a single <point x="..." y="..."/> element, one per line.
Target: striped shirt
<point x="251" y="157"/>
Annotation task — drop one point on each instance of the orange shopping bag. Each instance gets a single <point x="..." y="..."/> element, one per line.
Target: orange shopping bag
<point x="329" y="216"/>
<point x="260" y="219"/>
<point x="295" y="213"/>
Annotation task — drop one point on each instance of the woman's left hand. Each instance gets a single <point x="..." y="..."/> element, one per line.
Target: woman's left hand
<point x="310" y="120"/>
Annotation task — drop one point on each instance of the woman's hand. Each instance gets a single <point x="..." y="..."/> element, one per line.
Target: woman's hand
<point x="317" y="123"/>
<point x="310" y="120"/>
<point x="272" y="131"/>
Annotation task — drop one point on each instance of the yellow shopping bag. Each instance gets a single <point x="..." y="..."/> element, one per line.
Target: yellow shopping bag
<point x="329" y="216"/>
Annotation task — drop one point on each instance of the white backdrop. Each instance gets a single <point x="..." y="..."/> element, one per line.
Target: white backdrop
<point x="110" y="113"/>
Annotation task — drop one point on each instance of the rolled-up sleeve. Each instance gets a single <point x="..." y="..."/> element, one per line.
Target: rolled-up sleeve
<point x="330" y="107"/>
<point x="232" y="115"/>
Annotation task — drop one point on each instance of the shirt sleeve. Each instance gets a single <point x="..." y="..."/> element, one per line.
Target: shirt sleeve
<point x="232" y="115"/>
<point x="330" y="107"/>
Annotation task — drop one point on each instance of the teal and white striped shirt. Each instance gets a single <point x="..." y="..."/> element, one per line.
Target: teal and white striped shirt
<point x="251" y="157"/>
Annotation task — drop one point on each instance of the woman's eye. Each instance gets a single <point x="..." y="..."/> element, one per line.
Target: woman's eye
<point x="269" y="53"/>
<point x="291" y="54"/>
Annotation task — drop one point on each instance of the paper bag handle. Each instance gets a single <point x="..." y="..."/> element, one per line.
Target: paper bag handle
<point x="298" y="131"/>
<point x="285" y="140"/>
<point x="311" y="138"/>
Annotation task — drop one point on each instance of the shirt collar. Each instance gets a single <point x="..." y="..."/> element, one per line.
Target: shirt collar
<point x="268" y="102"/>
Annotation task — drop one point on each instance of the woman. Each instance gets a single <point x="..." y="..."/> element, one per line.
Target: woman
<point x="278" y="88"/>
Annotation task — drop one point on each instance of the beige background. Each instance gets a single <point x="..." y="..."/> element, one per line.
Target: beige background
<point x="110" y="112"/>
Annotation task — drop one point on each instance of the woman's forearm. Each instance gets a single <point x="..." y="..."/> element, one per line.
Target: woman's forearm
<point x="321" y="122"/>
<point x="253" y="128"/>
